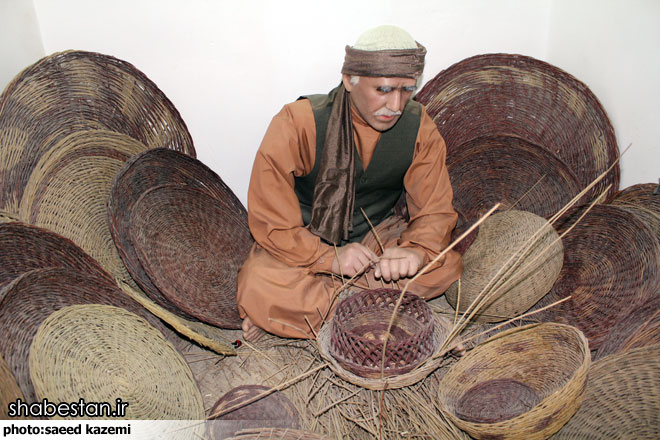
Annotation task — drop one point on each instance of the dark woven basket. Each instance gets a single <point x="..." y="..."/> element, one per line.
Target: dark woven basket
<point x="611" y="265"/>
<point x="639" y="328"/>
<point x="510" y="171"/>
<point x="72" y="91"/>
<point x="522" y="97"/>
<point x="360" y="325"/>
<point x="641" y="195"/>
<point x="191" y="247"/>
<point x="29" y="299"/>
<point x="147" y="170"/>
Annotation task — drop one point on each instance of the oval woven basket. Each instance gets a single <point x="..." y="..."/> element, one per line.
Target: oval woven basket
<point x="73" y="91"/>
<point x="611" y="265"/>
<point x="526" y="98"/>
<point x="101" y="353"/>
<point x="514" y="261"/>
<point x="622" y="399"/>
<point x="153" y="168"/>
<point x="523" y="383"/>
<point x="191" y="247"/>
<point x="510" y="171"/>
<point x="32" y="297"/>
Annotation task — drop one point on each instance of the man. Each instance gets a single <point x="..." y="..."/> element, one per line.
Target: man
<point x="330" y="165"/>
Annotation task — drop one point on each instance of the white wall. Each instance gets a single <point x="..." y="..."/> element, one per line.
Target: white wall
<point x="229" y="66"/>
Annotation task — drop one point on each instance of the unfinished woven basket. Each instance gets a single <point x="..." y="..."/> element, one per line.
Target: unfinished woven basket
<point x="100" y="353"/>
<point x="73" y="91"/>
<point x="155" y="168"/>
<point x="523" y="383"/>
<point x="622" y="399"/>
<point x="522" y="97"/>
<point x="191" y="247"/>
<point x="512" y="264"/>
<point x="510" y="171"/>
<point x="9" y="391"/>
<point x="611" y="265"/>
<point x="639" y="328"/>
<point x="32" y="297"/>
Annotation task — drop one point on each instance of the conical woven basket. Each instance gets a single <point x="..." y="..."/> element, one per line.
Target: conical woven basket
<point x="522" y="97"/>
<point x="32" y="297"/>
<point x="101" y="353"/>
<point x="510" y="171"/>
<point x="147" y="170"/>
<point x="611" y="265"/>
<point x="73" y="91"/>
<point x="9" y="391"/>
<point x="191" y="247"/>
<point x="523" y="383"/>
<point x="622" y="399"/>
<point x="515" y="260"/>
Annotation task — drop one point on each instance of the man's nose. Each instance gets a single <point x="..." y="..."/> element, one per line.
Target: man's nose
<point x="394" y="101"/>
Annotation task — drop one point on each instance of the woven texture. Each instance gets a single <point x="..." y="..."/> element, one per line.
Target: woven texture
<point x="191" y="247"/>
<point x="522" y="97"/>
<point x="31" y="298"/>
<point x="9" y="390"/>
<point x="277" y="434"/>
<point x="100" y="352"/>
<point x="360" y="325"/>
<point x="622" y="399"/>
<point x="510" y="171"/>
<point x="74" y="91"/>
<point x="515" y="260"/>
<point x="6" y="217"/>
<point x="640" y="201"/>
<point x="639" y="328"/>
<point x="611" y="265"/>
<point x="523" y="383"/>
<point x="147" y="170"/>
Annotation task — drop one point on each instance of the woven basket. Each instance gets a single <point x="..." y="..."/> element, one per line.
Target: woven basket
<point x="639" y="328"/>
<point x="155" y="168"/>
<point x="73" y="91"/>
<point x="360" y="325"/>
<point x="510" y="171"/>
<point x="611" y="265"/>
<point x="32" y="297"/>
<point x="277" y="434"/>
<point x="9" y="390"/>
<point x="100" y="353"/>
<point x="522" y="97"/>
<point x="622" y="399"/>
<point x="191" y="247"/>
<point x="640" y="195"/>
<point x="523" y="383"/>
<point x="6" y="217"/>
<point x="522" y="253"/>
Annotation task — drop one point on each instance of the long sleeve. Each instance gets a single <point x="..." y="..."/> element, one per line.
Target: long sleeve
<point x="274" y="215"/>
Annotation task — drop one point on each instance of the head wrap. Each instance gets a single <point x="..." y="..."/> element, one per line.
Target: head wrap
<point x="386" y="51"/>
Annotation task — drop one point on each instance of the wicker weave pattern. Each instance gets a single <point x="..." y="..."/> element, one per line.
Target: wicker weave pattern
<point x="100" y="352"/>
<point x="519" y="96"/>
<point x="9" y="390"/>
<point x="6" y="217"/>
<point x="550" y="360"/>
<point x="640" y="195"/>
<point x="359" y="327"/>
<point x="73" y="91"/>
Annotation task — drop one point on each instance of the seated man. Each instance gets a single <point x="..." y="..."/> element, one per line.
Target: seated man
<point x="330" y="165"/>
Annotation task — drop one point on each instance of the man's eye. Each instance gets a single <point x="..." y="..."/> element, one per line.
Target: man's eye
<point x="409" y="89"/>
<point x="384" y="89"/>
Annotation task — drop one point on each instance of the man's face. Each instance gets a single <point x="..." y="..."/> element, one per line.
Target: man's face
<point x="380" y="101"/>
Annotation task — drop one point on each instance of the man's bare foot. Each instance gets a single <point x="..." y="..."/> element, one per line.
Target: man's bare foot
<point x="251" y="333"/>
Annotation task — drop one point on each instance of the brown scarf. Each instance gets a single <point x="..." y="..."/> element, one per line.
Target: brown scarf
<point x="334" y="190"/>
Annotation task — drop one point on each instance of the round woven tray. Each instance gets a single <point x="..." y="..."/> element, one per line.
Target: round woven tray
<point x="68" y="191"/>
<point x="9" y="390"/>
<point x="155" y="168"/>
<point x="73" y="91"/>
<point x="519" y="96"/>
<point x="640" y="195"/>
<point x="32" y="297"/>
<point x="191" y="247"/>
<point x="611" y="265"/>
<point x="639" y="328"/>
<point x="622" y="399"/>
<point x="101" y="353"/>
<point x="522" y="383"/>
<point x="510" y="171"/>
<point x="521" y="252"/>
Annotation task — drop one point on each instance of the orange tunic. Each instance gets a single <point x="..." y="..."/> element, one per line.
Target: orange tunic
<point x="281" y="282"/>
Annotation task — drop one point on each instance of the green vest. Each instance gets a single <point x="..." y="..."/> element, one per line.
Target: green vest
<point x="377" y="188"/>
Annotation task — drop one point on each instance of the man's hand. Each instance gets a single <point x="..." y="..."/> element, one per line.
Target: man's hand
<point x="355" y="258"/>
<point x="396" y="263"/>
